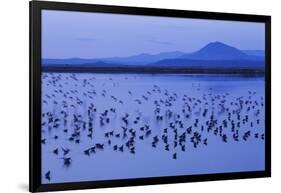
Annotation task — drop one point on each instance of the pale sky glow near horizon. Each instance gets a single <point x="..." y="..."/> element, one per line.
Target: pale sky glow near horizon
<point x="68" y="34"/>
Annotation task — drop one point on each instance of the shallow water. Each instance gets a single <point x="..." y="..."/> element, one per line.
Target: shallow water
<point x="215" y="107"/>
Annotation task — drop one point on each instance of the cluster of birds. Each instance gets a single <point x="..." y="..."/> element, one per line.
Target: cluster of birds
<point x="71" y="113"/>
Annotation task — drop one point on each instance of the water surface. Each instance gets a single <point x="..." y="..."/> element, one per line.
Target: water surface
<point x="120" y="126"/>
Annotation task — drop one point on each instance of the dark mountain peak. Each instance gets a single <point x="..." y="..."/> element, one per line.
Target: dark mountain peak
<point x="218" y="51"/>
<point x="216" y="44"/>
<point x="220" y="47"/>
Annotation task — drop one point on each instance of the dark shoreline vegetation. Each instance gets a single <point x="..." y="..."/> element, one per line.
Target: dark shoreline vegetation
<point x="153" y="70"/>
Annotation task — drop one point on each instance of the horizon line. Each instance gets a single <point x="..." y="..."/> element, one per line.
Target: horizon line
<point x="151" y="54"/>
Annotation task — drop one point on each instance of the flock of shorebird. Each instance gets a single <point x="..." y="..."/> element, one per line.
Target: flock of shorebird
<point x="183" y="120"/>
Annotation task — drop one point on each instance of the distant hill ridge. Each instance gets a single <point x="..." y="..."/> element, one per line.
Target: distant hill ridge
<point x="212" y="55"/>
<point x="140" y="59"/>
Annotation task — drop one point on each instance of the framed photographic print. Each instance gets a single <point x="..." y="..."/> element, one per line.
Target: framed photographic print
<point x="124" y="96"/>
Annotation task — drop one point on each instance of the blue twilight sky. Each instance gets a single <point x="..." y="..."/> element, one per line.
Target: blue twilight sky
<point x="67" y="34"/>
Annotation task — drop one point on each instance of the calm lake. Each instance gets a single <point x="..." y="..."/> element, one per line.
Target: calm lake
<point x="116" y="126"/>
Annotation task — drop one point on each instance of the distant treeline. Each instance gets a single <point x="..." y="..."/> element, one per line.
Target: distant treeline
<point x="153" y="70"/>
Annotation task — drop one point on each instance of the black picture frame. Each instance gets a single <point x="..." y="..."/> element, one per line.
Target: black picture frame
<point x="35" y="95"/>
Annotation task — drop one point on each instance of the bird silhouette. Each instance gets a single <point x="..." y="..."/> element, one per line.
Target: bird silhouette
<point x="48" y="175"/>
